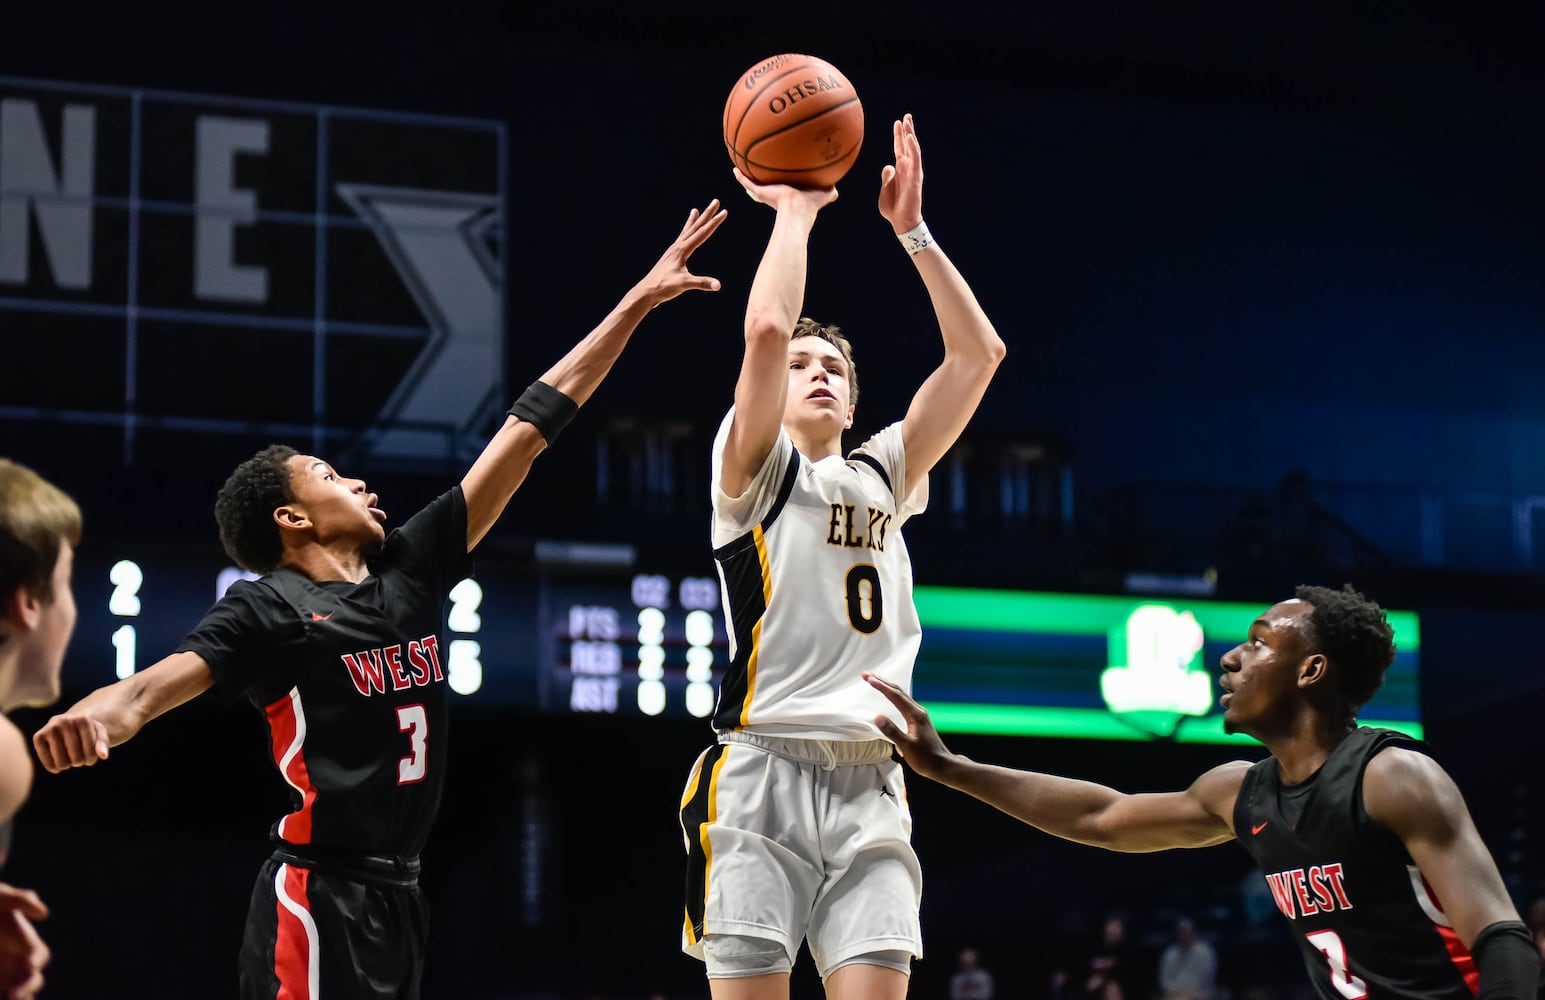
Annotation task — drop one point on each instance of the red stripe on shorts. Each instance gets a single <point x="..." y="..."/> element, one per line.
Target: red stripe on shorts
<point x="292" y="945"/>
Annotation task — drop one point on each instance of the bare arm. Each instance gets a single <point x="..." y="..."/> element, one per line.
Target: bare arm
<point x="1080" y="811"/>
<point x="777" y="296"/>
<point x="15" y="769"/>
<point x="504" y="463"/>
<point x="949" y="396"/>
<point x="1413" y="796"/>
<point x="112" y="715"/>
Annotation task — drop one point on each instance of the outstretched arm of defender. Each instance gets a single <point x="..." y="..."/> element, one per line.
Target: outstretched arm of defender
<point x="112" y="715"/>
<point x="1080" y="811"/>
<point x="972" y="348"/>
<point x="504" y="463"/>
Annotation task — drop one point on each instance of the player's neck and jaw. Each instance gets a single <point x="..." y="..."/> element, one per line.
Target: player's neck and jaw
<point x="331" y="526"/>
<point x="1302" y="745"/>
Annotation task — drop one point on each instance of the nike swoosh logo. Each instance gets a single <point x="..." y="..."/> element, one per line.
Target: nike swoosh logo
<point x="1258" y="828"/>
<point x="320" y="618"/>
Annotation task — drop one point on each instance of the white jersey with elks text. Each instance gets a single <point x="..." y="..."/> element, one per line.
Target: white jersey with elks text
<point x="817" y="587"/>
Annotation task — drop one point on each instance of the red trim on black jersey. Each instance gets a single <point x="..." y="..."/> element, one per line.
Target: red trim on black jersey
<point x="293" y="959"/>
<point x="1463" y="962"/>
<point x="1429" y="903"/>
<point x="287" y="726"/>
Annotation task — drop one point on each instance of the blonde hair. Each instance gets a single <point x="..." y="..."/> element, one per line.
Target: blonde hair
<point x="833" y="335"/>
<point x="36" y="518"/>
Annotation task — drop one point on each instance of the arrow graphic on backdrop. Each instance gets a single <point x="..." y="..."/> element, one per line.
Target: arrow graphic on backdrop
<point x="440" y="243"/>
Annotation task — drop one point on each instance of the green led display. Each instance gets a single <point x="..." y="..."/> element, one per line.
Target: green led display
<point x="1074" y="666"/>
<point x="1075" y="614"/>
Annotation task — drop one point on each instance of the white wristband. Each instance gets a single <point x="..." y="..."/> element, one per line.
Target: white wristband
<point x="917" y="239"/>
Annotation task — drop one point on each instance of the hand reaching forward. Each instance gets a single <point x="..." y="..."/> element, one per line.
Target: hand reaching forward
<point x="920" y="744"/>
<point x="670" y="276"/>
<point x="71" y="739"/>
<point x="901" y="186"/>
<point x="22" y="952"/>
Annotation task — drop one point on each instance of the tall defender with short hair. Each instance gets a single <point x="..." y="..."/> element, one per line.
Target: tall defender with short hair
<point x="337" y="645"/>
<point x="1363" y="838"/>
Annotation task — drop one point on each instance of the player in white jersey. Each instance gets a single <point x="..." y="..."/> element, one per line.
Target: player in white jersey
<point x="835" y="525"/>
<point x="796" y="821"/>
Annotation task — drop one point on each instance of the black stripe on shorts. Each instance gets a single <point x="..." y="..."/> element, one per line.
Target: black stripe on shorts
<point x="694" y="820"/>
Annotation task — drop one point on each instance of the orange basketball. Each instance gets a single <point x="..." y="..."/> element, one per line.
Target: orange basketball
<point x="793" y="119"/>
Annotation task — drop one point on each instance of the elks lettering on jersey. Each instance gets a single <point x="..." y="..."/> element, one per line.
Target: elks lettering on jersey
<point x="841" y="528"/>
<point x="1292" y="890"/>
<point x="374" y="669"/>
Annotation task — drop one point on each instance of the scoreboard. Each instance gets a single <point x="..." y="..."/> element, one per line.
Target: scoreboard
<point x="642" y="642"/>
<point x="179" y="266"/>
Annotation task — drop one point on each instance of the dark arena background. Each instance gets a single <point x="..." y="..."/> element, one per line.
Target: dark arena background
<point x="1271" y="288"/>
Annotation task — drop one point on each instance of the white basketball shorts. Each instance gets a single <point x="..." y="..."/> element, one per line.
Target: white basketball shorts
<point x="791" y="839"/>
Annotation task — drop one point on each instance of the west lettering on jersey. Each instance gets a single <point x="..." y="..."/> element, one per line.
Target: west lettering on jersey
<point x="418" y="663"/>
<point x="840" y="528"/>
<point x="365" y="671"/>
<point x="393" y="657"/>
<point x="1292" y="890"/>
<point x="372" y="669"/>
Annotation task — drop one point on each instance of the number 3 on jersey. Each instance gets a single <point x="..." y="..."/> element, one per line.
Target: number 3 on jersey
<point x="412" y="720"/>
<point x="866" y="607"/>
<point x="1335" y="951"/>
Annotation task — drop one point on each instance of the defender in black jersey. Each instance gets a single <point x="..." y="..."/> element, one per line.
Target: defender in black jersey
<point x="337" y="644"/>
<point x="1364" y="840"/>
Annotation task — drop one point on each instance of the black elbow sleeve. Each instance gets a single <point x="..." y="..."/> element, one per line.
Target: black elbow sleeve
<point x="1508" y="962"/>
<point x="545" y="408"/>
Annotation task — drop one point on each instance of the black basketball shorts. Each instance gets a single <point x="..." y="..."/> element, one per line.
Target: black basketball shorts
<point x="322" y="934"/>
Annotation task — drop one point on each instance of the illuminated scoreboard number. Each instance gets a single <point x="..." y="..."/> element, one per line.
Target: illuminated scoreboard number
<point x="699" y="596"/>
<point x="696" y="596"/>
<point x="123" y="602"/>
<point x="599" y="634"/>
<point x="464" y="661"/>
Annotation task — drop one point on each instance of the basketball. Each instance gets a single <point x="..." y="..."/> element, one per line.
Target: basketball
<point x="793" y="119"/>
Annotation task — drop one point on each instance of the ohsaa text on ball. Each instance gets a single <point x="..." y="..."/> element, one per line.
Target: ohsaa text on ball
<point x="805" y="88"/>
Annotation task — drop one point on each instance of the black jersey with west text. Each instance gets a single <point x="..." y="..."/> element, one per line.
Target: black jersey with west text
<point x="1366" y="921"/>
<point x="352" y="680"/>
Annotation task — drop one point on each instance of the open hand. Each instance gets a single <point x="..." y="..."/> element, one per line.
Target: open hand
<point x="901" y="186"/>
<point x="670" y="276"/>
<point x="920" y="745"/>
